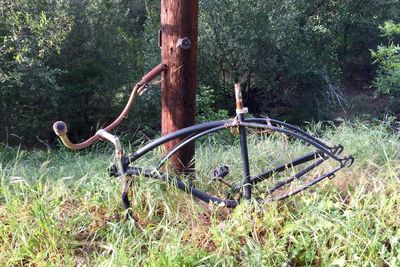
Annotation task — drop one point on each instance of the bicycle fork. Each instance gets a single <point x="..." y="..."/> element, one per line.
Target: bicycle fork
<point x="123" y="164"/>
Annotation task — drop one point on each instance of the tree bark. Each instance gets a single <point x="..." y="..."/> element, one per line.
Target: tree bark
<point x="179" y="19"/>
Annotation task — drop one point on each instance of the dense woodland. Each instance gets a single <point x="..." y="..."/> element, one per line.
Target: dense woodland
<point x="298" y="60"/>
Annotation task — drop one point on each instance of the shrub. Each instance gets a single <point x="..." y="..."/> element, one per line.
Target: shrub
<point x="387" y="57"/>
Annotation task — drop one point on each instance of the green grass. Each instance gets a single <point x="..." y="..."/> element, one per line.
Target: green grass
<point x="60" y="208"/>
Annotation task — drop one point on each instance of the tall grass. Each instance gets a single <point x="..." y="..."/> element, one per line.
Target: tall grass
<point x="61" y="208"/>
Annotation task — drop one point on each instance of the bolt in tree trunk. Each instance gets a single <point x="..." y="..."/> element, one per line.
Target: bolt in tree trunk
<point x="179" y="29"/>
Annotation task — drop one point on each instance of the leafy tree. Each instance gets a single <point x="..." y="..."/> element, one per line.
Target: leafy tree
<point x="292" y="56"/>
<point x="387" y="57"/>
<point x="30" y="31"/>
<point x="72" y="60"/>
<point x="102" y="59"/>
<point x="77" y="60"/>
<point x="280" y="51"/>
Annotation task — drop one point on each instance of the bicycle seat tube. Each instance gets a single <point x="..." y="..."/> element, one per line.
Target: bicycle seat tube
<point x="240" y="111"/>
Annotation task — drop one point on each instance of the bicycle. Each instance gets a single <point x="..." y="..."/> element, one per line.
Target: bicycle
<point x="236" y="191"/>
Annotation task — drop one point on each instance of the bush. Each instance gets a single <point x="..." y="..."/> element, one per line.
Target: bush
<point x="387" y="57"/>
<point x="206" y="106"/>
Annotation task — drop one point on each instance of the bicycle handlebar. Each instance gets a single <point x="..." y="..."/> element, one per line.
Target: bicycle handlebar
<point x="60" y="128"/>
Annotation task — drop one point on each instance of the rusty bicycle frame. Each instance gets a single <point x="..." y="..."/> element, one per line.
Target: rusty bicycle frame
<point x="236" y="191"/>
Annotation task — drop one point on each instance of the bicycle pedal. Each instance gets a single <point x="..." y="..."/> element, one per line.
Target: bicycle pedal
<point x="220" y="173"/>
<point x="113" y="171"/>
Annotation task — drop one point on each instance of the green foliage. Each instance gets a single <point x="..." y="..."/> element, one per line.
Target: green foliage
<point x="294" y="60"/>
<point x="387" y="57"/>
<point x="30" y="33"/>
<point x="102" y="59"/>
<point x="207" y="108"/>
<point x="63" y="58"/>
<point x="292" y="57"/>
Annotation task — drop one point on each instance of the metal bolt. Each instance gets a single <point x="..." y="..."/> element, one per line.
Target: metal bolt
<point x="184" y="43"/>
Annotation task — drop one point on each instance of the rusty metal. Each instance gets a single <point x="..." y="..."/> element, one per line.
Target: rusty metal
<point x="61" y="129"/>
<point x="240" y="109"/>
<point x="153" y="73"/>
<point x="238" y="97"/>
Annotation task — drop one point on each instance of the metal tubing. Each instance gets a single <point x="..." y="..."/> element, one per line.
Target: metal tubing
<point x="238" y="97"/>
<point x="110" y="137"/>
<point x="265" y="175"/>
<point x="307" y="185"/>
<point x="197" y="131"/>
<point x="290" y="127"/>
<point x="184" y="187"/>
<point x="229" y="123"/>
<point x="187" y="141"/>
<point x="61" y="129"/>
<point x="300" y="160"/>
<point x="208" y="125"/>
<point x="225" y="182"/>
<point x="125" y="200"/>
<point x="296" y="176"/>
<point x="124" y="196"/>
<point x="245" y="159"/>
<point x="153" y="73"/>
<point x="288" y="132"/>
<point x="180" y="133"/>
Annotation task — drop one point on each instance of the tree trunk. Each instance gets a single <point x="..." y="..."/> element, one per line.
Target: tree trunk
<point x="179" y="20"/>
